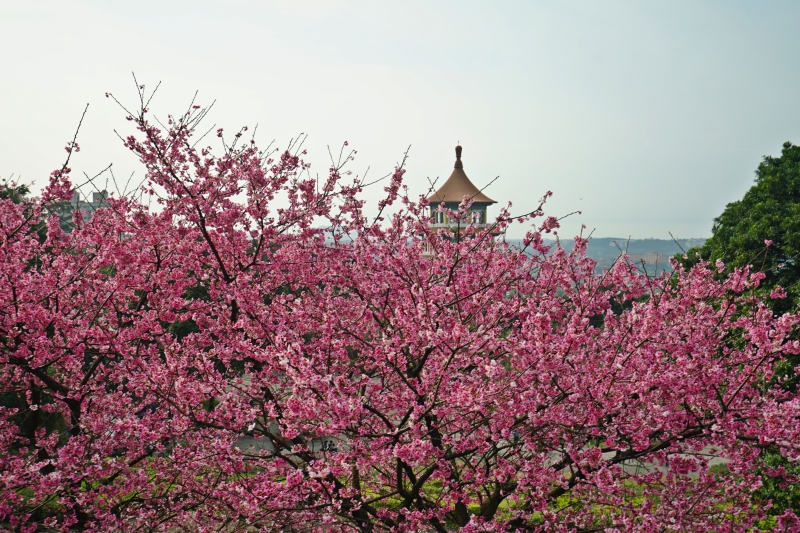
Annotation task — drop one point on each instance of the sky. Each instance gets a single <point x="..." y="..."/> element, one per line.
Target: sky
<point x="648" y="117"/>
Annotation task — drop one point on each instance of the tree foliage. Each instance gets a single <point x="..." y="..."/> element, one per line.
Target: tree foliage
<point x="223" y="364"/>
<point x="769" y="211"/>
<point x="763" y="230"/>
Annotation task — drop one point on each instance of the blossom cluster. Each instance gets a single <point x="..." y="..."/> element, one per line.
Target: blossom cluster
<point x="220" y="364"/>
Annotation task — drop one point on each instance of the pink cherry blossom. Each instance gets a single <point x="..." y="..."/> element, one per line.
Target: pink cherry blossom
<point x="778" y="293"/>
<point x="222" y="364"/>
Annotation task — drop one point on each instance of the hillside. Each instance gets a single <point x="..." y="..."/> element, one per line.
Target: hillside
<point x="654" y="252"/>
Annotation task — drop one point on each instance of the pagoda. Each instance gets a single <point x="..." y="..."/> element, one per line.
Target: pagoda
<point x="458" y="187"/>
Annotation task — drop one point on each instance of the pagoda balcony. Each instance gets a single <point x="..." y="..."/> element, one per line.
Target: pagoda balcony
<point x="456" y="225"/>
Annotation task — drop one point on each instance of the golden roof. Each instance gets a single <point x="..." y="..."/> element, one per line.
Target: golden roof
<point x="457" y="186"/>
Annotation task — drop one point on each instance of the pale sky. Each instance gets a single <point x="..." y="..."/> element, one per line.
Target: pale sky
<point x="648" y="116"/>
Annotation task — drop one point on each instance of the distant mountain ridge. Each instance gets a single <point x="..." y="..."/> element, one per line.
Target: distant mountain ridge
<point x="654" y="252"/>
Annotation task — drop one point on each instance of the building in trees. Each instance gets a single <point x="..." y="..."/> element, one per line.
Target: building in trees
<point x="86" y="207"/>
<point x="452" y="193"/>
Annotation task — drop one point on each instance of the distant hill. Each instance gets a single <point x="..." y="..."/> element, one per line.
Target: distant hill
<point x="654" y="252"/>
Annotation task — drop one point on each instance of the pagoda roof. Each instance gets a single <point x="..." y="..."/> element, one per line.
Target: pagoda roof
<point x="458" y="186"/>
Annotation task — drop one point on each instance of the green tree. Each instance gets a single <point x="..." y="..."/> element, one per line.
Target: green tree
<point x="769" y="211"/>
<point x="763" y="230"/>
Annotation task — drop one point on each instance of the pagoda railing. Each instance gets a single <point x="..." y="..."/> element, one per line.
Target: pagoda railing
<point x="454" y="225"/>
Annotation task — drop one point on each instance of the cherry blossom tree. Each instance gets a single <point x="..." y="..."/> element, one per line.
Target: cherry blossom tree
<point x="223" y="364"/>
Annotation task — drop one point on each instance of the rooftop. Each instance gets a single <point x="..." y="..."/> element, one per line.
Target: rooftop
<point x="458" y="186"/>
